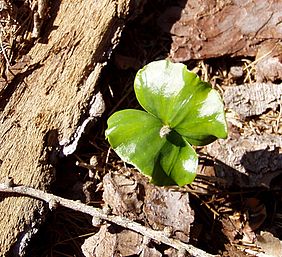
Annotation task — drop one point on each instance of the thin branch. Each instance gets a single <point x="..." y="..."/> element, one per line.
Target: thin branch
<point x="97" y="213"/>
<point x="3" y="50"/>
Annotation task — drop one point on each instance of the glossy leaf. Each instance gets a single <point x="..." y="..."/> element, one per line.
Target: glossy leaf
<point x="134" y="135"/>
<point x="205" y="120"/>
<point x="178" y="160"/>
<point x="182" y="101"/>
<point x="182" y="109"/>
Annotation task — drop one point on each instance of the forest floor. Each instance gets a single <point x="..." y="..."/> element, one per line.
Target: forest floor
<point x="233" y="208"/>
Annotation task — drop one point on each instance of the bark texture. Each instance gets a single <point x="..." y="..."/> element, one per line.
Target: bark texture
<point x="253" y="99"/>
<point x="250" y="161"/>
<point x="253" y="158"/>
<point x="45" y="102"/>
<point x="206" y="29"/>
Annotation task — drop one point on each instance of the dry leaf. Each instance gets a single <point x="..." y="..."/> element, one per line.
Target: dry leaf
<point x="134" y="197"/>
<point x="110" y="242"/>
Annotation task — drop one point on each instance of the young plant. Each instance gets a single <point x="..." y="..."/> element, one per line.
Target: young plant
<point x="181" y="110"/>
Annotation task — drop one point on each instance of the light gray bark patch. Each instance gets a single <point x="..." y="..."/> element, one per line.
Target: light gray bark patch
<point x="253" y="99"/>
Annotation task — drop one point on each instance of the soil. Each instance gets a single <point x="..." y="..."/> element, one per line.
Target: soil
<point x="234" y="205"/>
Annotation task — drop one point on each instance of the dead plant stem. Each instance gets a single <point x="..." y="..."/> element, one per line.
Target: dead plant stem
<point x="97" y="213"/>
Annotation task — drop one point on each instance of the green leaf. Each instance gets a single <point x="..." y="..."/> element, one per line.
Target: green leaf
<point x="135" y="137"/>
<point x="182" y="109"/>
<point x="181" y="100"/>
<point x="178" y="160"/>
<point x="160" y="89"/>
<point x="204" y="121"/>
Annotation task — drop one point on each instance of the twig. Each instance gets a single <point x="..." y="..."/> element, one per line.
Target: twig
<point x="257" y="60"/>
<point x="279" y="116"/>
<point x="3" y="50"/>
<point x="97" y="213"/>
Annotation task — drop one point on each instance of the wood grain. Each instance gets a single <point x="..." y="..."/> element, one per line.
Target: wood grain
<point x="43" y="104"/>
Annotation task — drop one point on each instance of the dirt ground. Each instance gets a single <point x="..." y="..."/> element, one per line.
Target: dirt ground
<point x="234" y="206"/>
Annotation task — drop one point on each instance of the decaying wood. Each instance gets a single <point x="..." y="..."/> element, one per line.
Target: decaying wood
<point x="205" y="29"/>
<point x="269" y="62"/>
<point x="43" y="105"/>
<point x="39" y="9"/>
<point x="55" y="201"/>
<point x="253" y="99"/>
<point x="250" y="161"/>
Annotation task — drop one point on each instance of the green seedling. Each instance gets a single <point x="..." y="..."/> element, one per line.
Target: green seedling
<point x="180" y="110"/>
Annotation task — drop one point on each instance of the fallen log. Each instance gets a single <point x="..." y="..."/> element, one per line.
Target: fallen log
<point x="43" y="106"/>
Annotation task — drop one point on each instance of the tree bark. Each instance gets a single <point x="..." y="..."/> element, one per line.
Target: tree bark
<point x="209" y="29"/>
<point x="44" y="104"/>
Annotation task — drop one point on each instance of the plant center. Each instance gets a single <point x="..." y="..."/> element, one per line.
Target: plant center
<point x="164" y="131"/>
